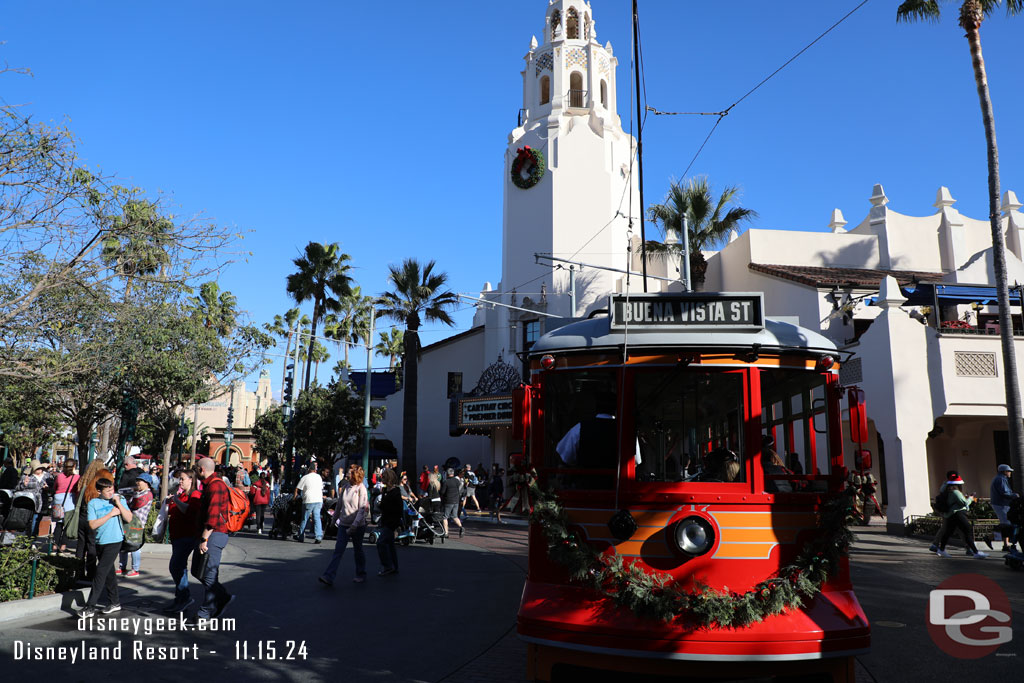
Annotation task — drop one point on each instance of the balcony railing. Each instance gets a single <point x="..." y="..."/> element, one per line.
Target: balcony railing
<point x="577" y="98"/>
<point x="970" y="330"/>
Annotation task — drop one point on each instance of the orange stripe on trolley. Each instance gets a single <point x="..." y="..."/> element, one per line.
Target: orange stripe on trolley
<point x="744" y="551"/>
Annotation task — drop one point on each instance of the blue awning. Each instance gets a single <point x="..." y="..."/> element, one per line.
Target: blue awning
<point x="926" y="294"/>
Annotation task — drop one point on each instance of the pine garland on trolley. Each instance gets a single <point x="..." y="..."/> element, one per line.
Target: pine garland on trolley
<point x="533" y="159"/>
<point x="651" y="594"/>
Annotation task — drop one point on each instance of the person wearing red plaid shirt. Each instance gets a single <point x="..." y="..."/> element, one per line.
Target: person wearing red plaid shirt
<point x="213" y="538"/>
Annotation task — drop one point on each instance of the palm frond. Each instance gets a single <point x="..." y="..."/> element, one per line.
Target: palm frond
<point x="918" y="10"/>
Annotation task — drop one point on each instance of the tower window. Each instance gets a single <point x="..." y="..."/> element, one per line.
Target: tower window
<point x="572" y="23"/>
<point x="545" y="89"/>
<point x="556" y="21"/>
<point x="587" y="24"/>
<point x="576" y="92"/>
<point x="604" y="94"/>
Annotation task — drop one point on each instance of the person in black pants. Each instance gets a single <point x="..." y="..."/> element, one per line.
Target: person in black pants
<point x="390" y="520"/>
<point x="103" y="513"/>
<point x="956" y="518"/>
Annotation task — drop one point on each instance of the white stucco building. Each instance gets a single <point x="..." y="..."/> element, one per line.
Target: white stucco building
<point x="881" y="290"/>
<point x="888" y="291"/>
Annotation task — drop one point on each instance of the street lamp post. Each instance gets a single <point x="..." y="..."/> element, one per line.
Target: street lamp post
<point x="93" y="440"/>
<point x="229" y="436"/>
<point x="366" y="394"/>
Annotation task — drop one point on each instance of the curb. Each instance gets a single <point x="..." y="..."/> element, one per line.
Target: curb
<point x="64" y="602"/>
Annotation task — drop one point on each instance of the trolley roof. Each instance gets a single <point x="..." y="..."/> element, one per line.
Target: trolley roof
<point x="596" y="335"/>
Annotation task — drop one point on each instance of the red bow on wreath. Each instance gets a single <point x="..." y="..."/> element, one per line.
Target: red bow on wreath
<point x="523" y="154"/>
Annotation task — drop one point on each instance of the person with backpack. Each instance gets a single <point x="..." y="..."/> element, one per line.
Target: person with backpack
<point x="214" y="514"/>
<point x="956" y="518"/>
<point x="939" y="506"/>
<point x="140" y="504"/>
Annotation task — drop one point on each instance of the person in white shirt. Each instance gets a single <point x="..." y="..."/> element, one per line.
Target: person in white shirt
<point x="311" y="489"/>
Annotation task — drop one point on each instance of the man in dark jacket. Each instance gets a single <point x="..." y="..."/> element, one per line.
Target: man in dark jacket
<point x="451" y="492"/>
<point x="9" y="477"/>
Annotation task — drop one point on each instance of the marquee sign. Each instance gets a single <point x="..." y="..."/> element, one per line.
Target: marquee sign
<point x="486" y="411"/>
<point x="688" y="311"/>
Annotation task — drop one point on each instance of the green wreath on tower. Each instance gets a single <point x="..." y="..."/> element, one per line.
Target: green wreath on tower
<point x="654" y="595"/>
<point x="528" y="167"/>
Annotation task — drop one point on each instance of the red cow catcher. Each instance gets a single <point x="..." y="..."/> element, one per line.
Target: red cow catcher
<point x="663" y="408"/>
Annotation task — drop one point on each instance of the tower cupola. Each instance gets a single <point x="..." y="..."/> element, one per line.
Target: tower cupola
<point x="569" y="72"/>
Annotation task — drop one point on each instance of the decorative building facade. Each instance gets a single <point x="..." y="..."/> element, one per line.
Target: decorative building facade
<point x="912" y="299"/>
<point x="568" y="191"/>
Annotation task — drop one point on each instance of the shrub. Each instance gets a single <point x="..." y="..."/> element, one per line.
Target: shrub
<point x="53" y="572"/>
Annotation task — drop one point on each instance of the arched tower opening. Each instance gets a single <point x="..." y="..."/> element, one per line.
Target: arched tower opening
<point x="572" y="24"/>
<point x="556" y="23"/>
<point x="545" y="89"/>
<point x="576" y="93"/>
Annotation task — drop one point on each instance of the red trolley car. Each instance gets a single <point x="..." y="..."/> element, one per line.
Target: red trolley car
<point x="666" y="412"/>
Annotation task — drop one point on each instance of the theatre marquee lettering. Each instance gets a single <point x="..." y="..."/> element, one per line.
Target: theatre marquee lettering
<point x="488" y="411"/>
<point x="688" y="311"/>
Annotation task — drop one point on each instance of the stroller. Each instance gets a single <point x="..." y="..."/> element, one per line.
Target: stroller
<point x="287" y="510"/>
<point x="24" y="506"/>
<point x="1015" y="558"/>
<point x="425" y="521"/>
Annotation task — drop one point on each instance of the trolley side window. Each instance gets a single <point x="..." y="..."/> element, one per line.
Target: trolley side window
<point x="689" y="426"/>
<point x="581" y="428"/>
<point x="794" y="416"/>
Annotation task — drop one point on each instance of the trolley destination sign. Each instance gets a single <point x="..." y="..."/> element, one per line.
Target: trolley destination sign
<point x="708" y="311"/>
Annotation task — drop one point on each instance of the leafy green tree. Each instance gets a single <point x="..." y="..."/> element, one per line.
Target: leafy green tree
<point x="27" y="417"/>
<point x="709" y="221"/>
<point x="322" y="276"/>
<point x="329" y="420"/>
<point x="269" y="432"/>
<point x="972" y="13"/>
<point x="417" y="294"/>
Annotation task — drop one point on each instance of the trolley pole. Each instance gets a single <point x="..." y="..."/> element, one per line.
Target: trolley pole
<point x="686" y="255"/>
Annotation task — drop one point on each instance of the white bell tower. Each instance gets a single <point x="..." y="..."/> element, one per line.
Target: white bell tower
<point x="579" y="207"/>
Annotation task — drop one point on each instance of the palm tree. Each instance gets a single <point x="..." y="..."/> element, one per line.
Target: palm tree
<point x="216" y="309"/>
<point x="390" y="345"/>
<point x="322" y="276"/>
<point x="709" y="221"/>
<point x="417" y="295"/>
<point x="972" y="12"/>
<point x="138" y="242"/>
<point x="285" y="327"/>
<point x="352" y="323"/>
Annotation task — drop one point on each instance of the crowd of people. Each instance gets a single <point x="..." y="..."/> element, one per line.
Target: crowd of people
<point x="195" y="515"/>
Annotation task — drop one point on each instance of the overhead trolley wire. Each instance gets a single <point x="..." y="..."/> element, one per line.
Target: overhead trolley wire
<point x="725" y="112"/>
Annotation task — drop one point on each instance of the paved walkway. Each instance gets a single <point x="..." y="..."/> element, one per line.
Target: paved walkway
<point x="449" y="616"/>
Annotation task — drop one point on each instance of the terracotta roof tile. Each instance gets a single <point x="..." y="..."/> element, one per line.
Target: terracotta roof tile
<point x="838" y="276"/>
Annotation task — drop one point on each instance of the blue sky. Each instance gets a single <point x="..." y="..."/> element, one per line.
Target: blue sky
<point x="382" y="125"/>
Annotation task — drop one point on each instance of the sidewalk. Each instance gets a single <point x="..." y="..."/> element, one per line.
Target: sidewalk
<point x="73" y="599"/>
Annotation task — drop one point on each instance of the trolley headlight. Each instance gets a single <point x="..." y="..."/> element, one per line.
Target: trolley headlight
<point x="694" y="536"/>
